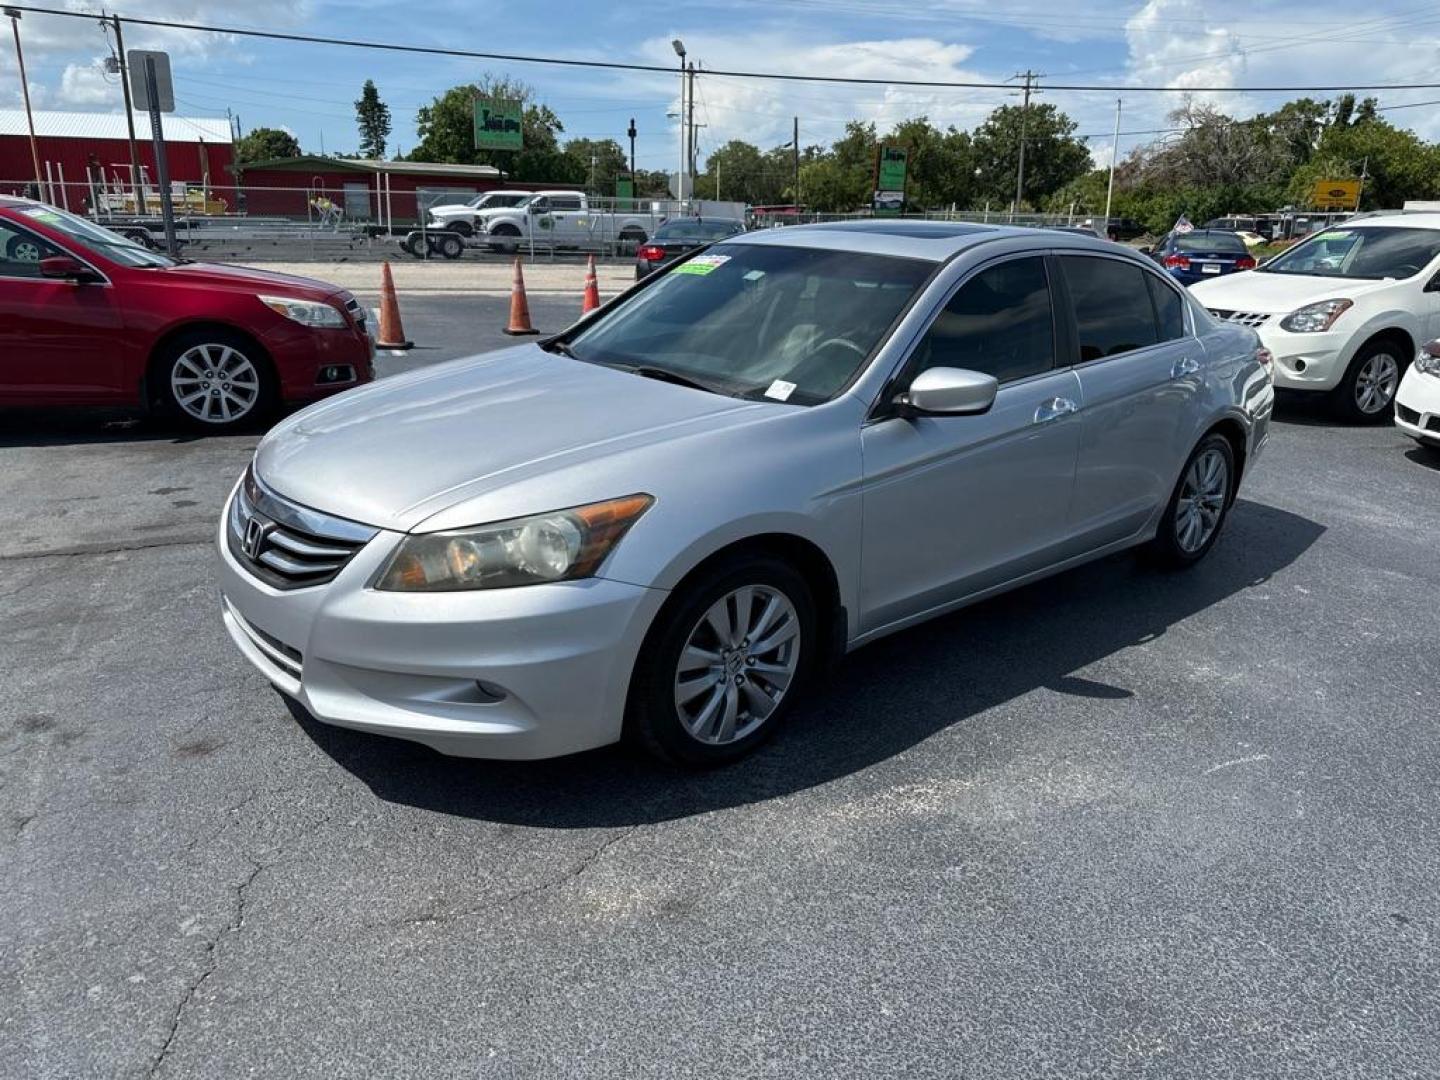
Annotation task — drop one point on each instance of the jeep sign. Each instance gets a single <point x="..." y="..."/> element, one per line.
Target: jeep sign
<point x="497" y="124"/>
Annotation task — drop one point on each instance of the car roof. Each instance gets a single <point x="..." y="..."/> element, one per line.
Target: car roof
<point x="1423" y="220"/>
<point x="936" y="241"/>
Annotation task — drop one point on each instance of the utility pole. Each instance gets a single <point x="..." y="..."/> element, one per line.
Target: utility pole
<point x="14" y="15"/>
<point x="114" y="21"/>
<point x="690" y="128"/>
<point x="795" y="158"/>
<point x="1114" y="157"/>
<point x="1029" y="77"/>
<point x="631" y="132"/>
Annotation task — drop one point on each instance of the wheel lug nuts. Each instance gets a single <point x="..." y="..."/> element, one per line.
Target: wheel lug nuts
<point x="750" y="661"/>
<point x="739" y="679"/>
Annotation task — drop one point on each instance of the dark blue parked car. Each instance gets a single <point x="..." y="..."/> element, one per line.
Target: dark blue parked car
<point x="1202" y="253"/>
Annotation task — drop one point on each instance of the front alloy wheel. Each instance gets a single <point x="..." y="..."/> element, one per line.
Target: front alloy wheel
<point x="725" y="660"/>
<point x="737" y="664"/>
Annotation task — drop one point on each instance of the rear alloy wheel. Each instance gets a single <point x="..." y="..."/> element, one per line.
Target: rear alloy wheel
<point x="724" y="663"/>
<point x="22" y="249"/>
<point x="1366" y="395"/>
<point x="1199" y="505"/>
<point x="213" y="381"/>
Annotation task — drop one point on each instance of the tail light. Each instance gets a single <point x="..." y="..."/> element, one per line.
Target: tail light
<point x="1177" y="262"/>
<point x="1245" y="262"/>
<point x="650" y="253"/>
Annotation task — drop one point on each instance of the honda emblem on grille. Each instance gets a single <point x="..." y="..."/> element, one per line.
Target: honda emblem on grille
<point x="255" y="532"/>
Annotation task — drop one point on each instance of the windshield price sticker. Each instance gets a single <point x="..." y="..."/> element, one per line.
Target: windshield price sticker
<point x="701" y="264"/>
<point x="780" y="390"/>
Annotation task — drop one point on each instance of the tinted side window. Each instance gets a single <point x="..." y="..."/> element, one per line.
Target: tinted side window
<point x="1169" y="308"/>
<point x="21" y="252"/>
<point x="1112" y="306"/>
<point x="998" y="323"/>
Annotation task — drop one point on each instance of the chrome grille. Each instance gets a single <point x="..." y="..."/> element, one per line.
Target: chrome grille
<point x="288" y="545"/>
<point x="1242" y="318"/>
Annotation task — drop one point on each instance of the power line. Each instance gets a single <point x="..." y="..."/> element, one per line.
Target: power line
<point x="659" y="69"/>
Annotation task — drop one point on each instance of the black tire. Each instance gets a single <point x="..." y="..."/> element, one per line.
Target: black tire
<point x="179" y="358"/>
<point x="505" y="239"/>
<point x="653" y="719"/>
<point x="451" y="246"/>
<point x="629" y="241"/>
<point x="1346" y="398"/>
<point x="461" y="228"/>
<point x="414" y="243"/>
<point x="1167" y="549"/>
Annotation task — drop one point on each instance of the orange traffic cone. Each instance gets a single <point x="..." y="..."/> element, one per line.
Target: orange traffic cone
<point x="592" y="289"/>
<point x="392" y="334"/>
<point x="519" y="306"/>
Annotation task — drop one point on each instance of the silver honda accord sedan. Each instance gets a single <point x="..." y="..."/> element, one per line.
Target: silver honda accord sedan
<point x="664" y="522"/>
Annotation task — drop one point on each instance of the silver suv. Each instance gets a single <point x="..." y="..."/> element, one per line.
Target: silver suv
<point x="663" y="522"/>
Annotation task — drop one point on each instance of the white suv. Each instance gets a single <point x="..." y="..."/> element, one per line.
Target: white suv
<point x="1345" y="310"/>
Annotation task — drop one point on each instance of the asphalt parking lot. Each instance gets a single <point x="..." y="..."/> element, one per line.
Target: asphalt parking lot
<point x="1118" y="823"/>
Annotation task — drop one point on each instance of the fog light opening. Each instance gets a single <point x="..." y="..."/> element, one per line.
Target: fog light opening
<point x="1299" y="365"/>
<point x="489" y="693"/>
<point x="335" y="373"/>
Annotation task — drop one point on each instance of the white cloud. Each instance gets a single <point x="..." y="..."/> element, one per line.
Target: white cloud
<point x="88" y="86"/>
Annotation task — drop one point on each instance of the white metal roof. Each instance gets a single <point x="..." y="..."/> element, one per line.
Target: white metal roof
<point x="81" y="125"/>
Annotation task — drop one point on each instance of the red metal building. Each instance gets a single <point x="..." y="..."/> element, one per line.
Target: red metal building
<point x="79" y="151"/>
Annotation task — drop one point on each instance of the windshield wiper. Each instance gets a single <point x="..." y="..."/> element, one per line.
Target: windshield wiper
<point x="666" y="375"/>
<point x="560" y="348"/>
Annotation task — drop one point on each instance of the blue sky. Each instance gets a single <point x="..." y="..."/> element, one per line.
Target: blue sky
<point x="309" y="89"/>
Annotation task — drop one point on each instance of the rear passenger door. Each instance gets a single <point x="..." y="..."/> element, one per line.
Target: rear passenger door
<point x="1139" y="366"/>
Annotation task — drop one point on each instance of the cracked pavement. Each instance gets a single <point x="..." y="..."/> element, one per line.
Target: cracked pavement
<point x="1119" y="824"/>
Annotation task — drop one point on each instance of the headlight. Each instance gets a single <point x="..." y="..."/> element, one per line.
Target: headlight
<point x="561" y="546"/>
<point x="1315" y="318"/>
<point x="1428" y="362"/>
<point x="307" y="312"/>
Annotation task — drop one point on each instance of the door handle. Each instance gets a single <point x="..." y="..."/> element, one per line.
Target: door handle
<point x="1054" y="409"/>
<point x="1184" y="366"/>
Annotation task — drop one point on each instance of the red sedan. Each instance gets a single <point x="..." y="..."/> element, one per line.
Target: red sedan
<point x="90" y="318"/>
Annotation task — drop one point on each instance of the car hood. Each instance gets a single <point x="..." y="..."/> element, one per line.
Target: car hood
<point x="401" y="450"/>
<point x="221" y="275"/>
<point x="1277" y="293"/>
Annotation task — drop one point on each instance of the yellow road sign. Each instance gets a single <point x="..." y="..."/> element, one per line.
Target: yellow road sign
<point x="1335" y="194"/>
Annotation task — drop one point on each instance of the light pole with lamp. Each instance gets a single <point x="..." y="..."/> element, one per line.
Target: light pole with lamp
<point x="679" y="47"/>
<point x="14" y="16"/>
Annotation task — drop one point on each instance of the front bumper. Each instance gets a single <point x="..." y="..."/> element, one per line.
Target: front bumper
<point x="520" y="673"/>
<point x="302" y="353"/>
<point x="1417" y="406"/>
<point x="1306" y="361"/>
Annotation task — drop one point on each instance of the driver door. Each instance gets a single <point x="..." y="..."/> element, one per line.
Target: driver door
<point x="955" y="505"/>
<point x="60" y="340"/>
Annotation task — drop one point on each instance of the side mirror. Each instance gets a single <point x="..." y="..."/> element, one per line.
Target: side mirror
<point x="942" y="391"/>
<point x="67" y="268"/>
<point x="1145" y="249"/>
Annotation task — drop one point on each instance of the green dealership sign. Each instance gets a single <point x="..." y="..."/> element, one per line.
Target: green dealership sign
<point x="497" y="124"/>
<point x="890" y="173"/>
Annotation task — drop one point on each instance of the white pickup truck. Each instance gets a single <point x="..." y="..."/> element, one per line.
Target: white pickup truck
<point x="465" y="218"/>
<point x="564" y="219"/>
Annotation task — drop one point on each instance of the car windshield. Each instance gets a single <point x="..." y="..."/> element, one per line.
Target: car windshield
<point x="759" y="320"/>
<point x="696" y="230"/>
<point x="113" y="246"/>
<point x="1210" y="241"/>
<point x="1372" y="253"/>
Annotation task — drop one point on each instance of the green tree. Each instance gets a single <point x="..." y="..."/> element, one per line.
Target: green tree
<point x="842" y="180"/>
<point x="747" y="174"/>
<point x="1397" y="164"/>
<point x="372" y="116"/>
<point x="447" y="131"/>
<point x="266" y="144"/>
<point x="939" y="166"/>
<point x="597" y="162"/>
<point x="1053" y="156"/>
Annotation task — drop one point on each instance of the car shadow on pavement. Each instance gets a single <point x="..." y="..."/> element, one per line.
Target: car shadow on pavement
<point x="1429" y="456"/>
<point x="885" y="698"/>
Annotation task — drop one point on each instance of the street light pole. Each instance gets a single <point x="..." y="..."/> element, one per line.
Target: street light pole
<point x="25" y="92"/>
<point x="631" y="132"/>
<point x="679" y="47"/>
